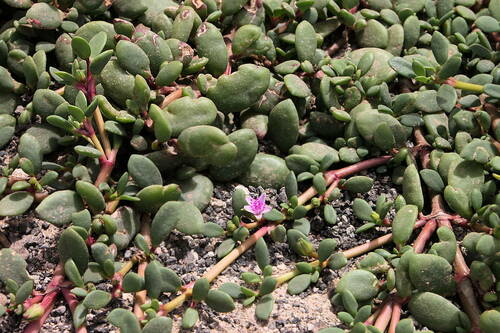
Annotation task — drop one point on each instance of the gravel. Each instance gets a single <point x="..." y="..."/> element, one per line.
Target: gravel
<point x="191" y="256"/>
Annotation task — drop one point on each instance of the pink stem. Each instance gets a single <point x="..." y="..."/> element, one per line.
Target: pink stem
<point x="47" y="304"/>
<point x="107" y="166"/>
<point x="424" y="236"/>
<point x="464" y="286"/>
<point x="384" y="317"/>
<point x="72" y="303"/>
<point x="371" y="320"/>
<point x="331" y="175"/>
<point x="33" y="300"/>
<point x="355" y="168"/>
<point x="396" y="315"/>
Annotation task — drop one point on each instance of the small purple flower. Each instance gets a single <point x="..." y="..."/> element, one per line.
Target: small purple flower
<point x="257" y="206"/>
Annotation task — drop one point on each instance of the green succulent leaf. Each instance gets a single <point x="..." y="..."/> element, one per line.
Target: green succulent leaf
<point x="13" y="267"/>
<point x="16" y="203"/>
<point x="219" y="301"/>
<point x="125" y="320"/>
<point x="96" y="299"/>
<point x="58" y="207"/>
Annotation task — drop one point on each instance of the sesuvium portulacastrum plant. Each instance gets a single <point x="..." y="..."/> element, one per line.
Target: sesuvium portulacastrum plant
<point x="127" y="111"/>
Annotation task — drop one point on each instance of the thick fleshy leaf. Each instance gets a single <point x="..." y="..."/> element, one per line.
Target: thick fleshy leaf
<point x="97" y="43"/>
<point x="489" y="321"/>
<point x="434" y="311"/>
<point x="198" y="190"/>
<point x="159" y="279"/>
<point x="58" y="207"/>
<point x="296" y="86"/>
<point x="431" y="273"/>
<point x="72" y="273"/>
<point x="362" y="284"/>
<point x="132" y="58"/>
<point x="81" y="47"/>
<point x="458" y="200"/>
<point x="225" y="247"/>
<point x="412" y="189"/>
<point x="439" y="46"/>
<point x="72" y="246"/>
<point x="189" y="318"/>
<point x="12" y="267"/>
<point x="305" y="41"/>
<point x="402" y="226"/>
<point x="326" y="248"/>
<point x="267" y="171"/>
<point x="358" y="184"/>
<point x="143" y="171"/>
<point x="219" y="301"/>
<point x="262" y="253"/>
<point x="432" y="179"/>
<point x="298" y="284"/>
<point x="186" y="112"/>
<point x="183" y="216"/>
<point x="132" y="282"/>
<point x="362" y="209"/>
<point x="91" y="195"/>
<point x="200" y="289"/>
<point x="246" y="142"/>
<point x="446" y="97"/>
<point x="241" y="89"/>
<point x="44" y="16"/>
<point x="16" y="203"/>
<point x="128" y="224"/>
<point x="125" y="320"/>
<point x="264" y="307"/>
<point x="158" y="324"/>
<point x="207" y="143"/>
<point x="96" y="299"/>
<point x="210" y="44"/>
<point x="284" y="124"/>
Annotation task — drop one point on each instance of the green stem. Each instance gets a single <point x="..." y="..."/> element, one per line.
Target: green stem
<point x="220" y="266"/>
<point x="464" y="85"/>
<point x="290" y="275"/>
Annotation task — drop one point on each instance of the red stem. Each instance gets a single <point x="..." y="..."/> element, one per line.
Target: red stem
<point x="395" y="316"/>
<point x="107" y="166"/>
<point x="374" y="315"/>
<point x="90" y="85"/>
<point x="48" y="300"/>
<point x="32" y="300"/>
<point x="384" y="317"/>
<point x="355" y="168"/>
<point x="47" y="304"/>
<point x="331" y="175"/>
<point x="464" y="286"/>
<point x="424" y="235"/>
<point x="140" y="297"/>
<point x="72" y="303"/>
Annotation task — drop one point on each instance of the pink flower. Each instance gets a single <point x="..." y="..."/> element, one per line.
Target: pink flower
<point x="257" y="206"/>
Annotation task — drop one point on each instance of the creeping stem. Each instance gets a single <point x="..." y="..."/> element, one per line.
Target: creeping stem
<point x="48" y="300"/>
<point x="72" y="303"/>
<point x="221" y="265"/>
<point x="464" y="85"/>
<point x="464" y="286"/>
<point x="330" y="176"/>
<point x="141" y="296"/>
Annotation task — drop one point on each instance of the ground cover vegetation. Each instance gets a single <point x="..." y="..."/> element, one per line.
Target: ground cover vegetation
<point x="123" y="115"/>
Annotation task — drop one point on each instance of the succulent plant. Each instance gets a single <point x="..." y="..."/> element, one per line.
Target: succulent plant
<point x="118" y="117"/>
